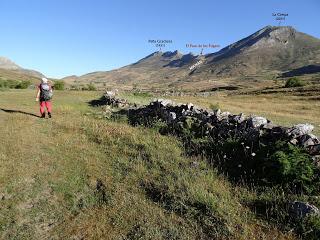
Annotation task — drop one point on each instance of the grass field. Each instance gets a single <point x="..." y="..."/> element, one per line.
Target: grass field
<point x="76" y="176"/>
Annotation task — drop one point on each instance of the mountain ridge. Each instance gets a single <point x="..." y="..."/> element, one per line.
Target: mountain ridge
<point x="11" y="70"/>
<point x="270" y="50"/>
<point x="6" y="63"/>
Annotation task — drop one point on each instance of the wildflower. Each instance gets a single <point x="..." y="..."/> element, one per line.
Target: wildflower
<point x="239" y="165"/>
<point x="247" y="147"/>
<point x="253" y="154"/>
<point x="224" y="156"/>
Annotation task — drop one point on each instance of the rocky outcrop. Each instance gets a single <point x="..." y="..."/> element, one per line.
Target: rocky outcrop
<point x="109" y="98"/>
<point x="223" y="125"/>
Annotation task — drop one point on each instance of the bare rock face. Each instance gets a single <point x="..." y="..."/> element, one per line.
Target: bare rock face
<point x="283" y="34"/>
<point x="274" y="37"/>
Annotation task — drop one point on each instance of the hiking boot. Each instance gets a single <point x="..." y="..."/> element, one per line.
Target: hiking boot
<point x="43" y="115"/>
<point x="49" y="114"/>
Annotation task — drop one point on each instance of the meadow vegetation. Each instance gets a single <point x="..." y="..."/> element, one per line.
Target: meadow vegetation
<point x="80" y="176"/>
<point x="294" y="82"/>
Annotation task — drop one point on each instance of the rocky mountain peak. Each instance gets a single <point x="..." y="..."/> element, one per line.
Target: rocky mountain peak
<point x="274" y="37"/>
<point x="265" y="38"/>
<point x="8" y="64"/>
<point x="172" y="54"/>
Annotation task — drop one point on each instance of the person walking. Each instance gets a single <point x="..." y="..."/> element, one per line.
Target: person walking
<point x="44" y="95"/>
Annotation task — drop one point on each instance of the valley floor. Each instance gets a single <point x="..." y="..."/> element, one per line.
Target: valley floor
<point x="76" y="176"/>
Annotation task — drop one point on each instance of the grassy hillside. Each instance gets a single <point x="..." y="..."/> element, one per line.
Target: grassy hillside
<point x="16" y="75"/>
<point x="77" y="176"/>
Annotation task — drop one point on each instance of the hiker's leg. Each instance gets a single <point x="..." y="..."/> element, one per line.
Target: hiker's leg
<point x="42" y="104"/>
<point x="49" y="106"/>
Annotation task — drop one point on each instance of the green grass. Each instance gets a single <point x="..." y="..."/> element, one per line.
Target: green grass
<point x="78" y="176"/>
<point x="138" y="98"/>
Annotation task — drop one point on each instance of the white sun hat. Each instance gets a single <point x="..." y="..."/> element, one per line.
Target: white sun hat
<point x="44" y="80"/>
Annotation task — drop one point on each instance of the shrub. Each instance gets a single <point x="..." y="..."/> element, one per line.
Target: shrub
<point x="294" y="82"/>
<point x="23" y="85"/>
<point x="14" y="84"/>
<point x="293" y="167"/>
<point x="59" y="85"/>
<point x="277" y="164"/>
<point x="310" y="227"/>
<point x="91" y="87"/>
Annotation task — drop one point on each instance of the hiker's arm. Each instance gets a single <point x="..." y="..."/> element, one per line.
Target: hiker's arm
<point x="38" y="95"/>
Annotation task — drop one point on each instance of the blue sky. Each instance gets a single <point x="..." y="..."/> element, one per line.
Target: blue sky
<point x="66" y="37"/>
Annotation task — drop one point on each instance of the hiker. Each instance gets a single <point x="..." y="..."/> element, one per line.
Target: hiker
<point x="44" y="94"/>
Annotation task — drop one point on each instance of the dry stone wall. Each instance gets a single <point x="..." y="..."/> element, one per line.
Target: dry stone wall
<point x="223" y="125"/>
<point x="244" y="148"/>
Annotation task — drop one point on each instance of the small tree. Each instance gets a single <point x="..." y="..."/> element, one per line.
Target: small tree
<point x="294" y="82"/>
<point x="91" y="87"/>
<point x="59" y="85"/>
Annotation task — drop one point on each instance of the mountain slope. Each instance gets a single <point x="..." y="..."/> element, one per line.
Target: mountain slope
<point x="151" y="70"/>
<point x="6" y="63"/>
<point x="269" y="51"/>
<point x="271" y="48"/>
<point x="11" y="71"/>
